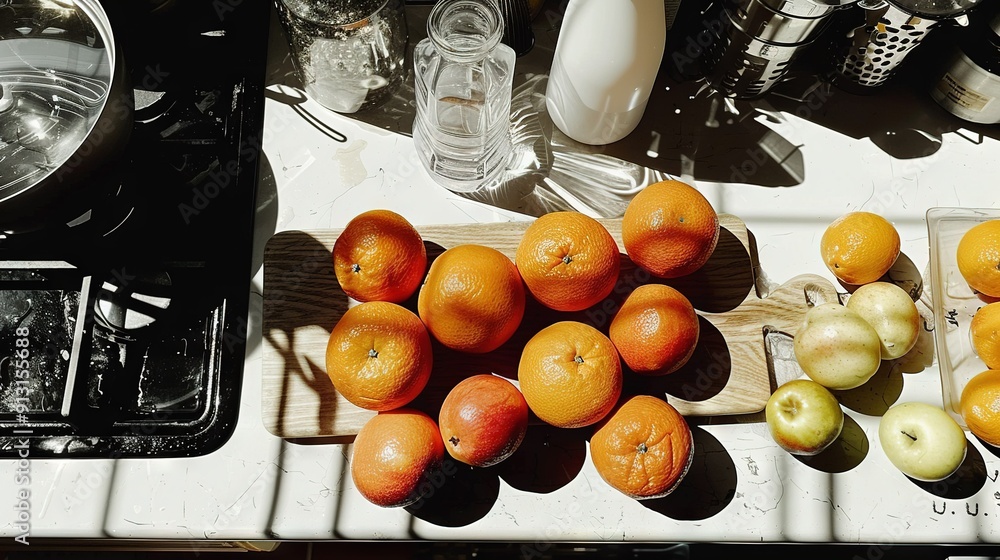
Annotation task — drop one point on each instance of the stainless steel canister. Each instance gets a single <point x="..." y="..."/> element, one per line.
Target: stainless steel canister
<point x="969" y="86"/>
<point x="877" y="35"/>
<point x="758" y="40"/>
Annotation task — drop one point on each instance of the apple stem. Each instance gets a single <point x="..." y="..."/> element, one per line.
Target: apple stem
<point x="453" y="440"/>
<point x="914" y="438"/>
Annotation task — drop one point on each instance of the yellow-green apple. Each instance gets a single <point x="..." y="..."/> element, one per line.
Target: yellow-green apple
<point x="804" y="417"/>
<point x="922" y="441"/>
<point x="836" y="347"/>
<point x="891" y="311"/>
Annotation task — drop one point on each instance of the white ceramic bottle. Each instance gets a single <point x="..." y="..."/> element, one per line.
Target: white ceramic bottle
<point x="606" y="60"/>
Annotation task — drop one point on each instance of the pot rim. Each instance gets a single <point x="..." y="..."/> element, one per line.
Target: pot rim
<point x="60" y="186"/>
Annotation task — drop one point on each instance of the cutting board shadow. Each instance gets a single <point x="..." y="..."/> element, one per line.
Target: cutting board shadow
<point x="727" y="375"/>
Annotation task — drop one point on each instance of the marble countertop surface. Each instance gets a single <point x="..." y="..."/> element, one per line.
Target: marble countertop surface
<point x="787" y="165"/>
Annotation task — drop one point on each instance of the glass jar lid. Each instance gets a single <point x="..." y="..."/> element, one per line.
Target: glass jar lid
<point x="335" y="13"/>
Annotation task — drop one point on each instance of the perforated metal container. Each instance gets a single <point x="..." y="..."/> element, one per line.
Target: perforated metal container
<point x="877" y="35"/>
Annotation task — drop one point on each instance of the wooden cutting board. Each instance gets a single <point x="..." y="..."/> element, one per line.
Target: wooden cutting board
<point x="728" y="373"/>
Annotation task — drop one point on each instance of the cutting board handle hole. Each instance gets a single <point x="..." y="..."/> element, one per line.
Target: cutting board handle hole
<point x="780" y="357"/>
<point x="815" y="294"/>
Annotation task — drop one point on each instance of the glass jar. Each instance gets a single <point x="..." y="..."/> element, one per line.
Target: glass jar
<point x="348" y="54"/>
<point x="463" y="79"/>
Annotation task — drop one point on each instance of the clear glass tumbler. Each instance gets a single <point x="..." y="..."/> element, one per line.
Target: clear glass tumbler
<point x="349" y="54"/>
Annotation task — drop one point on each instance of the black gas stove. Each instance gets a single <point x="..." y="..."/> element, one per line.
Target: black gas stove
<point x="123" y="331"/>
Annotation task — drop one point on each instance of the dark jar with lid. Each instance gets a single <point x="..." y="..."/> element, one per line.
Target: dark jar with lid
<point x="969" y="87"/>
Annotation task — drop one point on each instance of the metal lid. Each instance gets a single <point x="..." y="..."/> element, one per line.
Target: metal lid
<point x="936" y="9"/>
<point x="801" y="8"/>
<point x="761" y="20"/>
<point x="56" y="68"/>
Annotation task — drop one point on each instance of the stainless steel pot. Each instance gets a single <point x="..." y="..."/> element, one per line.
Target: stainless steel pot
<point x="66" y="110"/>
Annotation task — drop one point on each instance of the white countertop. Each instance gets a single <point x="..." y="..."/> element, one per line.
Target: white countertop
<point x="743" y="489"/>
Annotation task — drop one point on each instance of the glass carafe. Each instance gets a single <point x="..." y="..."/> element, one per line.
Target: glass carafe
<point x="463" y="78"/>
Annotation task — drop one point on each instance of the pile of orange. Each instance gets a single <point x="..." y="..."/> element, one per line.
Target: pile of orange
<point x="473" y="299"/>
<point x="978" y="259"/>
<point x="979" y="263"/>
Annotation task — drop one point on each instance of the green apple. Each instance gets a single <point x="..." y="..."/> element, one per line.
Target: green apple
<point x="922" y="441"/>
<point x="804" y="417"/>
<point x="891" y="311"/>
<point x="836" y="347"/>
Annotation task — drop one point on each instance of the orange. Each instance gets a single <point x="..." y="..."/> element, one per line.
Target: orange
<point x="656" y="330"/>
<point x="483" y="420"/>
<point x="473" y="298"/>
<point x="568" y="260"/>
<point x="670" y="229"/>
<point x="859" y="247"/>
<point x="980" y="406"/>
<point x="644" y="448"/>
<point x="979" y="257"/>
<point x="379" y="257"/>
<point x="570" y="374"/>
<point x="392" y="456"/>
<point x="985" y="328"/>
<point x="379" y="355"/>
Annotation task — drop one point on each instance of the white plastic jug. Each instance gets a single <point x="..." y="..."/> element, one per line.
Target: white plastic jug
<point x="606" y="60"/>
